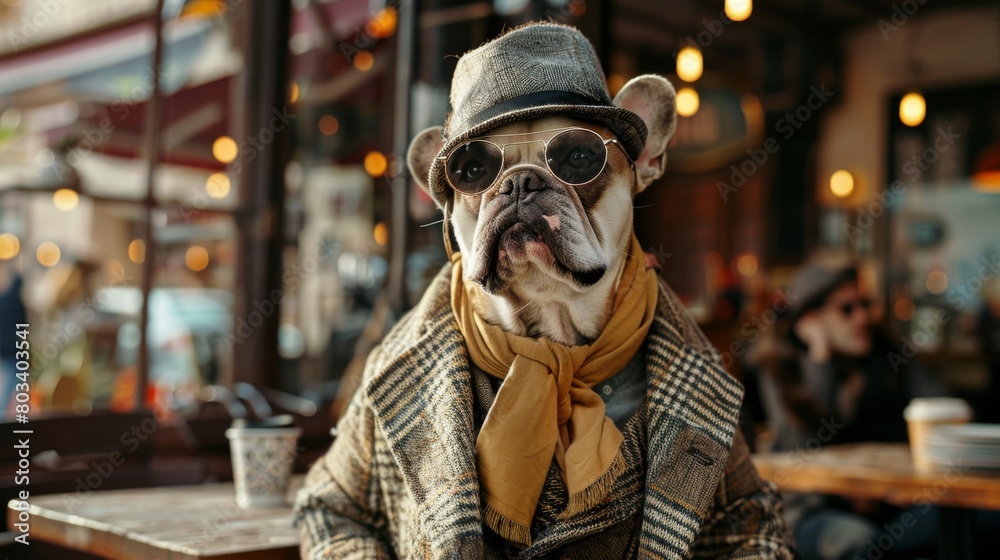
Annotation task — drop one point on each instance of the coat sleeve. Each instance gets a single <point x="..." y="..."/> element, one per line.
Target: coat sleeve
<point x="745" y="522"/>
<point x="339" y="511"/>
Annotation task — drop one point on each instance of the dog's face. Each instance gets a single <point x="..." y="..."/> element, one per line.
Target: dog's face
<point x="532" y="237"/>
<point x="531" y="230"/>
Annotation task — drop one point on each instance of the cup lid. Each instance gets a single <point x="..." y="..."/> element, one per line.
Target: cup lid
<point x="938" y="409"/>
<point x="268" y="423"/>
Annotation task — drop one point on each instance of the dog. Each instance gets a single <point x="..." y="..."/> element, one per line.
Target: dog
<point x="547" y="255"/>
<point x="486" y="424"/>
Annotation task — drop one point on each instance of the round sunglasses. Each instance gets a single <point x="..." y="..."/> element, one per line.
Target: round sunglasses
<point x="575" y="156"/>
<point x="847" y="308"/>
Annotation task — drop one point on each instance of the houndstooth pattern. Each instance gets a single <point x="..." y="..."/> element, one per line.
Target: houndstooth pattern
<point x="400" y="480"/>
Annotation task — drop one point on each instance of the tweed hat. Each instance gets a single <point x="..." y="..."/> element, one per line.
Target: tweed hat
<point x="536" y="70"/>
<point x="817" y="279"/>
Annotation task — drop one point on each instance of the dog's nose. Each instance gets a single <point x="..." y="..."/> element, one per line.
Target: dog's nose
<point x="522" y="183"/>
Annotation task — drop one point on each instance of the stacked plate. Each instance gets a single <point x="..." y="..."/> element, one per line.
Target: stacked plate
<point x="967" y="446"/>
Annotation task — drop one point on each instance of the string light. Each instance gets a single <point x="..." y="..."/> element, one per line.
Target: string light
<point x="841" y="183"/>
<point x="364" y="61"/>
<point x="224" y="149"/>
<point x="218" y="186"/>
<point x="376" y="164"/>
<point x="137" y="251"/>
<point x="912" y="109"/>
<point x="738" y="10"/>
<point x="196" y="258"/>
<point x="381" y="234"/>
<point x="10" y="246"/>
<point x="689" y="64"/>
<point x="66" y="199"/>
<point x="688" y="101"/>
<point x="48" y="254"/>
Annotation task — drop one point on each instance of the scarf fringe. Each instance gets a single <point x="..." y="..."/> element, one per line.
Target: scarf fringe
<point x="597" y="490"/>
<point x="505" y="527"/>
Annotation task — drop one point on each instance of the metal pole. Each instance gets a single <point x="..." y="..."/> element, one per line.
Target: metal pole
<point x="152" y="144"/>
<point x="405" y="49"/>
<point x="260" y="219"/>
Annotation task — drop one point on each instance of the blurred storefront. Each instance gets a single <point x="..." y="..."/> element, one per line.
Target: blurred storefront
<point x="230" y="174"/>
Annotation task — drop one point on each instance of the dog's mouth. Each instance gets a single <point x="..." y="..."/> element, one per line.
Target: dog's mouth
<point x="512" y="243"/>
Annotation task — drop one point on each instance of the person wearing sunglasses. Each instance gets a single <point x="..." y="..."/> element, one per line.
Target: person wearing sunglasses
<point x="826" y="378"/>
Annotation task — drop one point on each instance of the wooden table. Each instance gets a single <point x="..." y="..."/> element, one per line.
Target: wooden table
<point x="885" y="472"/>
<point x="175" y="523"/>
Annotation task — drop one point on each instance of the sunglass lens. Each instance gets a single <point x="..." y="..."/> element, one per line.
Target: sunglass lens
<point x="473" y="166"/>
<point x="850" y="307"/>
<point x="576" y="156"/>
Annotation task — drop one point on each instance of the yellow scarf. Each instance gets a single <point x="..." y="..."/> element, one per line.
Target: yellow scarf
<point x="546" y="408"/>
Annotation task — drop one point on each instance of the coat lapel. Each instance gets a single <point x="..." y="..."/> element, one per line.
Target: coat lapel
<point x="693" y="413"/>
<point x="422" y="399"/>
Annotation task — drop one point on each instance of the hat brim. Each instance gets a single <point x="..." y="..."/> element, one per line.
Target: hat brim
<point x="628" y="126"/>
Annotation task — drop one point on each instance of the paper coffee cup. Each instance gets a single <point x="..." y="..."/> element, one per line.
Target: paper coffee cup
<point x="263" y="455"/>
<point x="923" y="415"/>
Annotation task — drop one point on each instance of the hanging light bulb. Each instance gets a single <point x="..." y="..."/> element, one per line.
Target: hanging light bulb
<point x="687" y="101"/>
<point x="48" y="254"/>
<point x="842" y="183"/>
<point x="66" y="200"/>
<point x="689" y="64"/>
<point x="912" y="108"/>
<point x="739" y="10"/>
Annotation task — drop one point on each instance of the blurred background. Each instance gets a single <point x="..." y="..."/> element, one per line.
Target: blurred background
<point x="205" y="211"/>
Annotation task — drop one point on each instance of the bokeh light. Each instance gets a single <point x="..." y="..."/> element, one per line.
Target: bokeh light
<point x="738" y="10"/>
<point x="912" y="109"/>
<point x="842" y="183"/>
<point x="376" y="164"/>
<point x="381" y="233"/>
<point x="364" y="61"/>
<point x="383" y="23"/>
<point x="66" y="199"/>
<point x="224" y="149"/>
<point x="196" y="258"/>
<point x="688" y="102"/>
<point x="689" y="64"/>
<point x="48" y="254"/>
<point x="937" y="282"/>
<point x="218" y="186"/>
<point x="747" y="265"/>
<point x="328" y="125"/>
<point x="10" y="246"/>
<point x="137" y="251"/>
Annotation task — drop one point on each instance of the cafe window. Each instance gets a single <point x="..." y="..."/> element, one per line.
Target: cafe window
<point x="88" y="238"/>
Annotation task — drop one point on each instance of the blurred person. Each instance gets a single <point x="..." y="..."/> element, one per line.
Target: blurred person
<point x="989" y="331"/>
<point x="827" y="378"/>
<point x="12" y="313"/>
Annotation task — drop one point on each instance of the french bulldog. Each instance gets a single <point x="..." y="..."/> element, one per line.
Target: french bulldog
<point x="548" y="255"/>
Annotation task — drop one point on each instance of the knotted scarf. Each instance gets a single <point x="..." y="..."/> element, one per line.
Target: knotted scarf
<point x="545" y="406"/>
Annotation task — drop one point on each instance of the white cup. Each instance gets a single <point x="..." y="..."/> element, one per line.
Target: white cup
<point x="262" y="463"/>
<point x="923" y="415"/>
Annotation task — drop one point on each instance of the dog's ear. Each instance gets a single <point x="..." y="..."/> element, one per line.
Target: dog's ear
<point x="423" y="150"/>
<point x="653" y="98"/>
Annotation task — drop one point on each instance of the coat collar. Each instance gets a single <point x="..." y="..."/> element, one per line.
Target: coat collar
<point x="422" y="398"/>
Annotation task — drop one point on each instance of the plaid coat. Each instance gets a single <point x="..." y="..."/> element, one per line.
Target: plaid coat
<point x="400" y="479"/>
